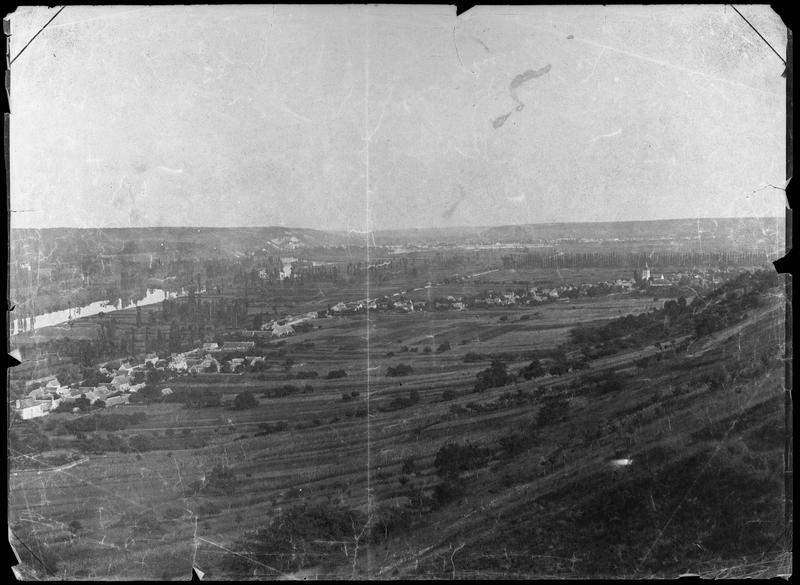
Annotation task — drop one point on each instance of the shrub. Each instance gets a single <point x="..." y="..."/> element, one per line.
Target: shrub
<point x="453" y="459"/>
<point x="399" y="370"/>
<point x="296" y="539"/>
<point x="448" y="491"/>
<point x="532" y="370"/>
<point x="333" y="374"/>
<point x="492" y="377"/>
<point x="408" y="466"/>
<point x="613" y="382"/>
<point x="400" y="402"/>
<point x="245" y="400"/>
<point x="142" y="443"/>
<point x="553" y="410"/>
<point x="221" y="480"/>
<point x="448" y="395"/>
<point x="515" y="443"/>
<point x="717" y="378"/>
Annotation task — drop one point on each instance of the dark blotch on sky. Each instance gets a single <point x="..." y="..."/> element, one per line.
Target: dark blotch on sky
<point x="499" y="121"/>
<point x="527" y="76"/>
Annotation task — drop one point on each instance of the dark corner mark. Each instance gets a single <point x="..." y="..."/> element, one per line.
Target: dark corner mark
<point x="786" y="265"/>
<point x="462" y="8"/>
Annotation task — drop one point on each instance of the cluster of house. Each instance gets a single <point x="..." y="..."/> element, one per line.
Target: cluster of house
<point x="48" y="393"/>
<point x="207" y="357"/>
<point x="385" y="303"/>
<point x="698" y="277"/>
<point x="286" y="326"/>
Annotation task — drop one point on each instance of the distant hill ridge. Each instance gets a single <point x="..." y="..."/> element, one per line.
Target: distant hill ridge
<point x="748" y="232"/>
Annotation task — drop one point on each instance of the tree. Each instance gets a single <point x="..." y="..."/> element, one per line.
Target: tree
<point x="82" y="403"/>
<point x="532" y="370"/>
<point x="452" y="459"/>
<point x="492" y="377"/>
<point x="448" y="395"/>
<point x="553" y="410"/>
<point x="245" y="400"/>
<point x="613" y="382"/>
<point x="69" y="375"/>
<point x="399" y="370"/>
<point x="153" y="377"/>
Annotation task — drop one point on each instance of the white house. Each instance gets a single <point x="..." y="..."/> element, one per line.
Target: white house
<point x="117" y="400"/>
<point x="52" y="404"/>
<point x="282" y="330"/>
<point x="102" y="392"/>
<point x="178" y="362"/>
<point x="119" y="381"/>
<point x="91" y="396"/>
<point x="29" y="409"/>
<point x="39" y="393"/>
<point x="44" y="380"/>
<point x="166" y="391"/>
<point x="238" y="345"/>
<point x="124" y="369"/>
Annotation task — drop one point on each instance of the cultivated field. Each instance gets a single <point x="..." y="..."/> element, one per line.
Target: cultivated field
<point x="347" y="443"/>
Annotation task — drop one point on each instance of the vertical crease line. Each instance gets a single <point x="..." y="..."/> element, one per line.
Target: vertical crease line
<point x="367" y="230"/>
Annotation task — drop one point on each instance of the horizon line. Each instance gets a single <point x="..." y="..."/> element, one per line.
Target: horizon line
<point x="374" y="231"/>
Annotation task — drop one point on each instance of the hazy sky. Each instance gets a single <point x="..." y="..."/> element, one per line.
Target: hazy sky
<point x="382" y="117"/>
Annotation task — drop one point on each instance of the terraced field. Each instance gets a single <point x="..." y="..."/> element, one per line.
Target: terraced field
<point x="212" y="474"/>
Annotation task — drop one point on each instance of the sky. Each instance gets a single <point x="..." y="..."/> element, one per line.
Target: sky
<point x="386" y="117"/>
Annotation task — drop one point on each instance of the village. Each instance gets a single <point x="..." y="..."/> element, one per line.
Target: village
<point x="120" y="381"/>
<point x="124" y="379"/>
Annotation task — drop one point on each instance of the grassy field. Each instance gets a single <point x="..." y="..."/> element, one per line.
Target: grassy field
<point x="156" y="513"/>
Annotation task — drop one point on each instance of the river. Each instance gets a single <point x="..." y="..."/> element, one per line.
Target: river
<point x="30" y="324"/>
